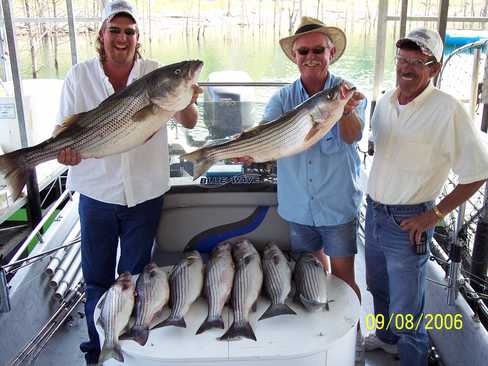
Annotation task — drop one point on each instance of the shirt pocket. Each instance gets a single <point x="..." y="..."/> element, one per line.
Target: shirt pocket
<point x="330" y="143"/>
<point x="413" y="156"/>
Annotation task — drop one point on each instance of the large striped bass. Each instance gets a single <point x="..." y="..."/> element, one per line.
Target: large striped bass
<point x="293" y="132"/>
<point x="310" y="280"/>
<point x="218" y="285"/>
<point x="152" y="294"/>
<point x="247" y="286"/>
<point x="277" y="281"/>
<point x="116" y="308"/>
<point x="186" y="282"/>
<point x="121" y="122"/>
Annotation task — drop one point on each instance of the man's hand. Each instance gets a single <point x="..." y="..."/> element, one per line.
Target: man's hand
<point x="246" y="160"/>
<point x="197" y="90"/>
<point x="356" y="98"/>
<point x="418" y="224"/>
<point x="68" y="156"/>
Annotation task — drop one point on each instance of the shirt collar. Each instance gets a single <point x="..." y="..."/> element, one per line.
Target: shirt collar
<point x="133" y="75"/>
<point x="418" y="99"/>
<point x="328" y="84"/>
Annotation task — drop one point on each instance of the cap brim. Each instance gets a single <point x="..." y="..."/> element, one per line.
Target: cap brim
<point x="336" y="35"/>
<point x="410" y="42"/>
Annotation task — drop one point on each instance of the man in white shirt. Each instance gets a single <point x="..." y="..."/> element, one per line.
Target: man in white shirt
<point x="420" y="134"/>
<point x="121" y="196"/>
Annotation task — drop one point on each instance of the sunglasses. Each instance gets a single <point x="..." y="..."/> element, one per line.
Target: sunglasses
<point x="415" y="62"/>
<point x="303" y="51"/>
<point x="128" y="31"/>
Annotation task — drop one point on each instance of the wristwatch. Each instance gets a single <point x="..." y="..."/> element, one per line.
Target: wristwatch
<point x="438" y="213"/>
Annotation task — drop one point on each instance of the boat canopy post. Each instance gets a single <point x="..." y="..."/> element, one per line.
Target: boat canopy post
<point x="403" y="18"/>
<point x="479" y="261"/>
<point x="72" y="33"/>
<point x="379" y="67"/>
<point x="34" y="205"/>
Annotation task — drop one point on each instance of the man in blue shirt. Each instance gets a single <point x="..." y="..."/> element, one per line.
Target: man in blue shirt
<point x="318" y="190"/>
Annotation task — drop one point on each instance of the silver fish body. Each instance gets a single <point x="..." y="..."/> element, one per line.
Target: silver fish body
<point x="287" y="135"/>
<point x="116" y="309"/>
<point x="121" y="122"/>
<point x="218" y="285"/>
<point x="248" y="281"/>
<point x="311" y="286"/>
<point x="152" y="291"/>
<point x="277" y="281"/>
<point x="186" y="282"/>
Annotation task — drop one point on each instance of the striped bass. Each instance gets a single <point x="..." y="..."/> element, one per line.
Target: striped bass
<point x="186" y="282"/>
<point x="292" y="133"/>
<point x="277" y="281"/>
<point x="247" y="286"/>
<point x="152" y="294"/>
<point x="218" y="285"/>
<point x="121" y="122"/>
<point x="310" y="280"/>
<point x="116" y="309"/>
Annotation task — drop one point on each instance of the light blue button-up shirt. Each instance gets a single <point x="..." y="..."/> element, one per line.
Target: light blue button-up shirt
<point x="317" y="187"/>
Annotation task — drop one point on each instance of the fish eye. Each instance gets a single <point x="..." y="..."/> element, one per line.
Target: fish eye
<point x="177" y="71"/>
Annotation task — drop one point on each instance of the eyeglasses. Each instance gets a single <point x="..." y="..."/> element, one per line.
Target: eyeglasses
<point x="303" y="51"/>
<point x="415" y="62"/>
<point x="128" y="31"/>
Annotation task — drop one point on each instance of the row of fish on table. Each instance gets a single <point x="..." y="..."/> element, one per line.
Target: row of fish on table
<point x="234" y="272"/>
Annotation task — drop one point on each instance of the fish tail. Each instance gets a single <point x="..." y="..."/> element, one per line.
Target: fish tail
<point x="211" y="323"/>
<point x="174" y="322"/>
<point x="111" y="352"/>
<point x="14" y="172"/>
<point x="201" y="162"/>
<point x="277" y="309"/>
<point x="139" y="334"/>
<point x="239" y="330"/>
<point x="314" y="305"/>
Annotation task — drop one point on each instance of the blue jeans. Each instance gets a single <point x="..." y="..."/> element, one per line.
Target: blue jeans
<point x="102" y="224"/>
<point x="395" y="276"/>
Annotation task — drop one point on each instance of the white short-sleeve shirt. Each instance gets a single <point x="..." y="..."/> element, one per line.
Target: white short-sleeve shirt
<point x="418" y="145"/>
<point x="128" y="178"/>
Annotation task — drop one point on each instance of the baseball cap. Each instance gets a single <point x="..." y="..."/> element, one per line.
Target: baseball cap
<point x="429" y="41"/>
<point x="116" y="7"/>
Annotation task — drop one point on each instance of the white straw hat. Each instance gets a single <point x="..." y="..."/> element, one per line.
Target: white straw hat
<point x="309" y="25"/>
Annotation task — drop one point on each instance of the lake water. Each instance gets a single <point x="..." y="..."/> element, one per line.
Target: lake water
<point x="256" y="52"/>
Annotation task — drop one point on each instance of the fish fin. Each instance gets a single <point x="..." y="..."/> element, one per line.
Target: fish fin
<point x="313" y="303"/>
<point x="174" y="322"/>
<point x="238" y="330"/>
<point x="145" y="112"/>
<point x="200" y="162"/>
<point x="200" y="167"/>
<point x="13" y="171"/>
<point x="211" y="323"/>
<point x="111" y="352"/>
<point x="139" y="334"/>
<point x="277" y="309"/>
<point x="314" y="130"/>
<point x="67" y="122"/>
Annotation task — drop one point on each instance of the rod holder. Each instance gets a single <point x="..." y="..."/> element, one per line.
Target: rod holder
<point x="4" y="296"/>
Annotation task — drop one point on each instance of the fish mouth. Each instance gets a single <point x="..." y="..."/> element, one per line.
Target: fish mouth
<point x="195" y="69"/>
